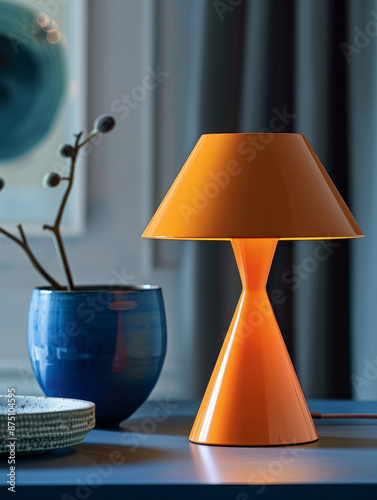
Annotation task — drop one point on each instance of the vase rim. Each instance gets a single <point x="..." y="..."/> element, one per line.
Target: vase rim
<point x="100" y="288"/>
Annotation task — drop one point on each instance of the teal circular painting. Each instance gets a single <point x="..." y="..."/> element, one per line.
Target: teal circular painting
<point x="32" y="78"/>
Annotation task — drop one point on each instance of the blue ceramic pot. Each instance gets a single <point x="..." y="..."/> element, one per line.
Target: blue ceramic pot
<point x="100" y="344"/>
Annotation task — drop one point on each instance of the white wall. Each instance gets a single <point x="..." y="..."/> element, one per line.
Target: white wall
<point x="118" y="194"/>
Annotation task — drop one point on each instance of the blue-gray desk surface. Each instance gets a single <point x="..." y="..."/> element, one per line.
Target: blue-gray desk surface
<point x="150" y="456"/>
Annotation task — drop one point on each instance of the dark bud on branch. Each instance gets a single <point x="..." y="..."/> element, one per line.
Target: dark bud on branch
<point x="2" y="183"/>
<point x="51" y="179"/>
<point x="67" y="151"/>
<point x="104" y="123"/>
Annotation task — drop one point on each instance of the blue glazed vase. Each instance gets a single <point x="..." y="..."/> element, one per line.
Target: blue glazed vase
<point x="98" y="343"/>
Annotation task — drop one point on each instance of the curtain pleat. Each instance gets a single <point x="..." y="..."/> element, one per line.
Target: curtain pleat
<point x="363" y="189"/>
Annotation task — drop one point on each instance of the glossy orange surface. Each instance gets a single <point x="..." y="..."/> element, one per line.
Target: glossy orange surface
<point x="253" y="189"/>
<point x="254" y="397"/>
<point x="253" y="186"/>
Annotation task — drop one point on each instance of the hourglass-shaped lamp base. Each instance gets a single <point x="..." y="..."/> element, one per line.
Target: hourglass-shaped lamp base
<point x="254" y="397"/>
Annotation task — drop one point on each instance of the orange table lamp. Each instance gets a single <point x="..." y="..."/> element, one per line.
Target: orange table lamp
<point x="253" y="189"/>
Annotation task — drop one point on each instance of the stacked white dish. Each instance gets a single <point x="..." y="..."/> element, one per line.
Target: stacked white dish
<point x="43" y="423"/>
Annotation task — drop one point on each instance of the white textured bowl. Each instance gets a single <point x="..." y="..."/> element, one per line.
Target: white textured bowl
<point x="43" y="423"/>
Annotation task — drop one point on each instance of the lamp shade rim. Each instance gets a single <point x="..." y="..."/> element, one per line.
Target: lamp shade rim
<point x="221" y="238"/>
<point x="252" y="133"/>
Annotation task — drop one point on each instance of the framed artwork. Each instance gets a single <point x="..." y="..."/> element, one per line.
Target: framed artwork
<point x="42" y="104"/>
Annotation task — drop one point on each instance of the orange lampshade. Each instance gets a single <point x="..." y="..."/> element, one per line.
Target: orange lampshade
<point x="253" y="186"/>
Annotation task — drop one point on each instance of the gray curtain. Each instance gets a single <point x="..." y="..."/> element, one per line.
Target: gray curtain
<point x="257" y="65"/>
<point x="362" y="149"/>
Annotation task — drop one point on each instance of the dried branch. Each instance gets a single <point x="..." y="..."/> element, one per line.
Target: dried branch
<point x="22" y="242"/>
<point x="55" y="228"/>
<point x="102" y="124"/>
